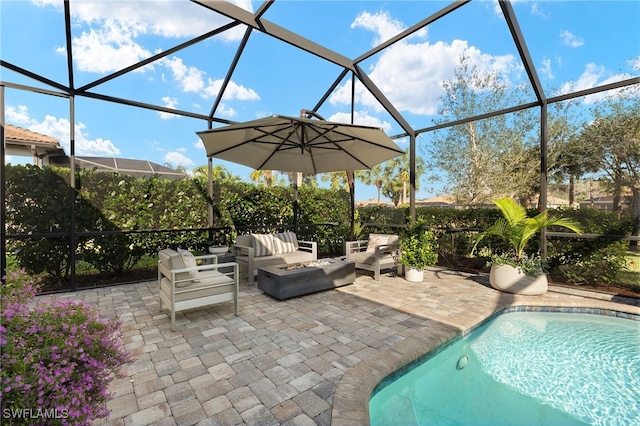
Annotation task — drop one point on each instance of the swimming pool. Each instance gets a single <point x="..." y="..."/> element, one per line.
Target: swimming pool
<point x="523" y="368"/>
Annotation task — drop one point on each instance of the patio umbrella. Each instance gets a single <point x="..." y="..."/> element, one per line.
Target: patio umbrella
<point x="298" y="144"/>
<point x="294" y="144"/>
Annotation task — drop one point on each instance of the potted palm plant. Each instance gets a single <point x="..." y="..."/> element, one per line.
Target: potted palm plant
<point x="419" y="249"/>
<point x="514" y="271"/>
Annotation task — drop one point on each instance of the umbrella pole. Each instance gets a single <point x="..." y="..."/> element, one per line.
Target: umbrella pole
<point x="295" y="204"/>
<point x="352" y="199"/>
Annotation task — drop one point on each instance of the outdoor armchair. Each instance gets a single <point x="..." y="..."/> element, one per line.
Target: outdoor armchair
<point x="379" y="252"/>
<point x="183" y="284"/>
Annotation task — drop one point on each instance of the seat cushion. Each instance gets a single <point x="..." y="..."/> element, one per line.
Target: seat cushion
<point x="211" y="283"/>
<point x="369" y="258"/>
<point x="297" y="256"/>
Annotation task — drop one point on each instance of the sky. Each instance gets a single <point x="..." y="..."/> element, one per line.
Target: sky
<point x="574" y="45"/>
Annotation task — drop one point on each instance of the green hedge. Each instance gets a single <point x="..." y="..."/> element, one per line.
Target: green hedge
<point x="37" y="202"/>
<point x="574" y="260"/>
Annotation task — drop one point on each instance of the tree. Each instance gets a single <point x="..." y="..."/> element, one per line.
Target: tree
<point x="344" y="179"/>
<point x="267" y="177"/>
<point x="181" y="168"/>
<point x="612" y="142"/>
<point x="337" y="180"/>
<point x="309" y="180"/>
<point x="218" y="173"/>
<point x="396" y="174"/>
<point x="563" y="159"/>
<point x="373" y="176"/>
<point x="488" y="158"/>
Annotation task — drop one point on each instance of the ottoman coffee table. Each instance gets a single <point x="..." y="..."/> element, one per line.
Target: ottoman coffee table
<point x="286" y="281"/>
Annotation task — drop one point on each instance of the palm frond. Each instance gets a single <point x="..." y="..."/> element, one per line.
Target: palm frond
<point x="512" y="211"/>
<point x="516" y="228"/>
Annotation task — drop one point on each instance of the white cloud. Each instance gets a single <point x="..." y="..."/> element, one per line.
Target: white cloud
<point x="111" y="41"/>
<point x="178" y="159"/>
<point x="19" y="116"/>
<point x="108" y="48"/>
<point x="534" y="7"/>
<point x="546" y="69"/>
<point x="169" y="102"/>
<point x="362" y="118"/>
<point x="383" y="25"/>
<point x="593" y="75"/>
<point x="634" y="63"/>
<point x="191" y="79"/>
<point x="167" y="18"/>
<point x="59" y="128"/>
<point x="496" y="8"/>
<point x="569" y="39"/>
<point x="588" y="79"/>
<point x="225" y="111"/>
<point x="411" y="75"/>
<point x="233" y="91"/>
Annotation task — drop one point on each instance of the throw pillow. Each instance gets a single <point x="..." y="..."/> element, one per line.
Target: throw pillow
<point x="375" y="240"/>
<point x="262" y="244"/>
<point x="189" y="262"/>
<point x="285" y="242"/>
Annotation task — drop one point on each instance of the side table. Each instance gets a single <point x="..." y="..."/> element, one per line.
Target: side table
<point x="222" y="258"/>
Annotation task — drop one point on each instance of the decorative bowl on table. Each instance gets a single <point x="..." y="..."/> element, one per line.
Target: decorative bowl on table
<point x="218" y="249"/>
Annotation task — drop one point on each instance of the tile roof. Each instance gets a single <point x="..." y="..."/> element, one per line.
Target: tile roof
<point x="18" y="134"/>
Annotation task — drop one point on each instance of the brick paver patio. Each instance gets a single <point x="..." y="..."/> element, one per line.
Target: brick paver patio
<point x="304" y="361"/>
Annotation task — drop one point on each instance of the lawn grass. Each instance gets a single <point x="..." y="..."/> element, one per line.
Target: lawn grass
<point x="633" y="261"/>
<point x="630" y="277"/>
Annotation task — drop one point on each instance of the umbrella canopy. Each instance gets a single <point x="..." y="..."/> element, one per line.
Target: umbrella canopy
<point x="291" y="144"/>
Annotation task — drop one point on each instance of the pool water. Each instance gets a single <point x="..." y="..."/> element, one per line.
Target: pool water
<point x="524" y="368"/>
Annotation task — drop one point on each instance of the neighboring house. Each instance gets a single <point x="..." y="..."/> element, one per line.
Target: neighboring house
<point x="439" y="201"/>
<point x="374" y="202"/>
<point x="605" y="203"/>
<point x="556" y="202"/>
<point x="26" y="143"/>
<point x="46" y="150"/>
<point x="126" y="166"/>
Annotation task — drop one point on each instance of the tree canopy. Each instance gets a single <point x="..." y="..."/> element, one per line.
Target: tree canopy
<point x="610" y="144"/>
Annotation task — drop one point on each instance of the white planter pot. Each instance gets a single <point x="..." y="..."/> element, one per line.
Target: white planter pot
<point x="414" y="275"/>
<point x="218" y="249"/>
<point x="513" y="280"/>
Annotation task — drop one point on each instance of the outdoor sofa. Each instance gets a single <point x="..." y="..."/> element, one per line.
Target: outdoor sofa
<point x="185" y="284"/>
<point x="257" y="250"/>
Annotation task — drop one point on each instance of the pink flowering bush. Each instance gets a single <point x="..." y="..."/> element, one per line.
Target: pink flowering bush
<point x="57" y="358"/>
